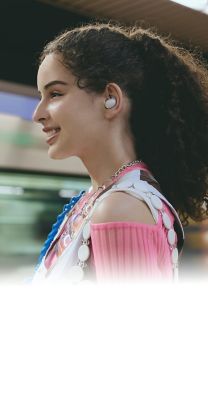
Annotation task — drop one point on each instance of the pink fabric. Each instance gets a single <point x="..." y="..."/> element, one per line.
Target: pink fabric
<point x="127" y="250"/>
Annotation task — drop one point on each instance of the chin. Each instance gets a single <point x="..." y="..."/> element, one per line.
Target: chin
<point x="55" y="155"/>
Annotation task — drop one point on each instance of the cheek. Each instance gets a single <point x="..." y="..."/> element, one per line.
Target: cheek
<point x="54" y="108"/>
<point x="62" y="112"/>
<point x="75" y="114"/>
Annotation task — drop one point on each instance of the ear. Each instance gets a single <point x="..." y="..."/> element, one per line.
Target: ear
<point x="112" y="89"/>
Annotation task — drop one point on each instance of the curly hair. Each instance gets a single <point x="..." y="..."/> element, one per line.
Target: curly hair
<point x="168" y="90"/>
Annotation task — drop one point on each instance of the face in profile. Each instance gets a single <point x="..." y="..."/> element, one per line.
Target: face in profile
<point x="70" y="116"/>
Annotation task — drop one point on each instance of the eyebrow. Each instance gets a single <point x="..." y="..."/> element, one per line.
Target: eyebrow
<point x="49" y="84"/>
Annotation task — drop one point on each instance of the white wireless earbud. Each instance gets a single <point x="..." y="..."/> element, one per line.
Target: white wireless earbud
<point x="111" y="102"/>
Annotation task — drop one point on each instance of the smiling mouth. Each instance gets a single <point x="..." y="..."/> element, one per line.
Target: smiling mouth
<point x="53" y="136"/>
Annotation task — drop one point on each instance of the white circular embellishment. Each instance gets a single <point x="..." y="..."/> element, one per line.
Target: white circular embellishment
<point x="156" y="202"/>
<point x="86" y="231"/>
<point x="75" y="274"/>
<point x="174" y="256"/>
<point x="83" y="252"/>
<point x="171" y="236"/>
<point x="166" y="220"/>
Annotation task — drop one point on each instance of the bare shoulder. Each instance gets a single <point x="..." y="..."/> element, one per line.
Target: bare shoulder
<point x="121" y="206"/>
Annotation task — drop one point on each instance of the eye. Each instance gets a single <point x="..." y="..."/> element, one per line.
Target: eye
<point x="55" y="94"/>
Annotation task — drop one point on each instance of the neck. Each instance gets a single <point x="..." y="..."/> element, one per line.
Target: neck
<point x="107" y="174"/>
<point x="111" y="152"/>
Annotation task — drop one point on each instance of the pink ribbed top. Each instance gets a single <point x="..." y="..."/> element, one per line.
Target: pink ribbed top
<point x="129" y="250"/>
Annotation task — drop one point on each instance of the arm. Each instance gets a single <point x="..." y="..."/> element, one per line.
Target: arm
<point x="124" y="238"/>
<point x="121" y="206"/>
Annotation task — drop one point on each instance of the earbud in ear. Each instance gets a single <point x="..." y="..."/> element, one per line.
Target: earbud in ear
<point x="111" y="102"/>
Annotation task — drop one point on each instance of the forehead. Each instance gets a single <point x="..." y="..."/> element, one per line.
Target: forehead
<point x="52" y="69"/>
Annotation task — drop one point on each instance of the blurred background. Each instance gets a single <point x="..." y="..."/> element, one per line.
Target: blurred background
<point x="34" y="188"/>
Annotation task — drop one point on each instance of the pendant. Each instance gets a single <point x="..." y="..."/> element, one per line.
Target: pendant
<point x="171" y="237"/>
<point x="174" y="256"/>
<point x="156" y="202"/>
<point x="83" y="252"/>
<point x="166" y="220"/>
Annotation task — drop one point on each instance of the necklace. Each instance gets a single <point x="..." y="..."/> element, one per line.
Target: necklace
<point x="83" y="213"/>
<point x="124" y="166"/>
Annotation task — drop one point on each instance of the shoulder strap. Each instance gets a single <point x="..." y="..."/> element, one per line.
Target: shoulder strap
<point x="150" y="185"/>
<point x="146" y="176"/>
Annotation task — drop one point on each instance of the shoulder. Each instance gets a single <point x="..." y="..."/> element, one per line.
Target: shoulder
<point x="121" y="206"/>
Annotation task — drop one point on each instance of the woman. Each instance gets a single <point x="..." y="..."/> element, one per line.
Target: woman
<point x="134" y="109"/>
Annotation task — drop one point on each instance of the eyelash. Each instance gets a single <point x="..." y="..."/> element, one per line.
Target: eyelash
<point x="55" y="94"/>
<point x="52" y="95"/>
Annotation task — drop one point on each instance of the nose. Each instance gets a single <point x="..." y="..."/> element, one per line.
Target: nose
<point x="40" y="113"/>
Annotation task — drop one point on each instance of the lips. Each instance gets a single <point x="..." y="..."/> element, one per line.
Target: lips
<point x="52" y="134"/>
<point x="51" y="139"/>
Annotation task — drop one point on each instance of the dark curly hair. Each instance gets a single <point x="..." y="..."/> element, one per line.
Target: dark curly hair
<point x="168" y="90"/>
